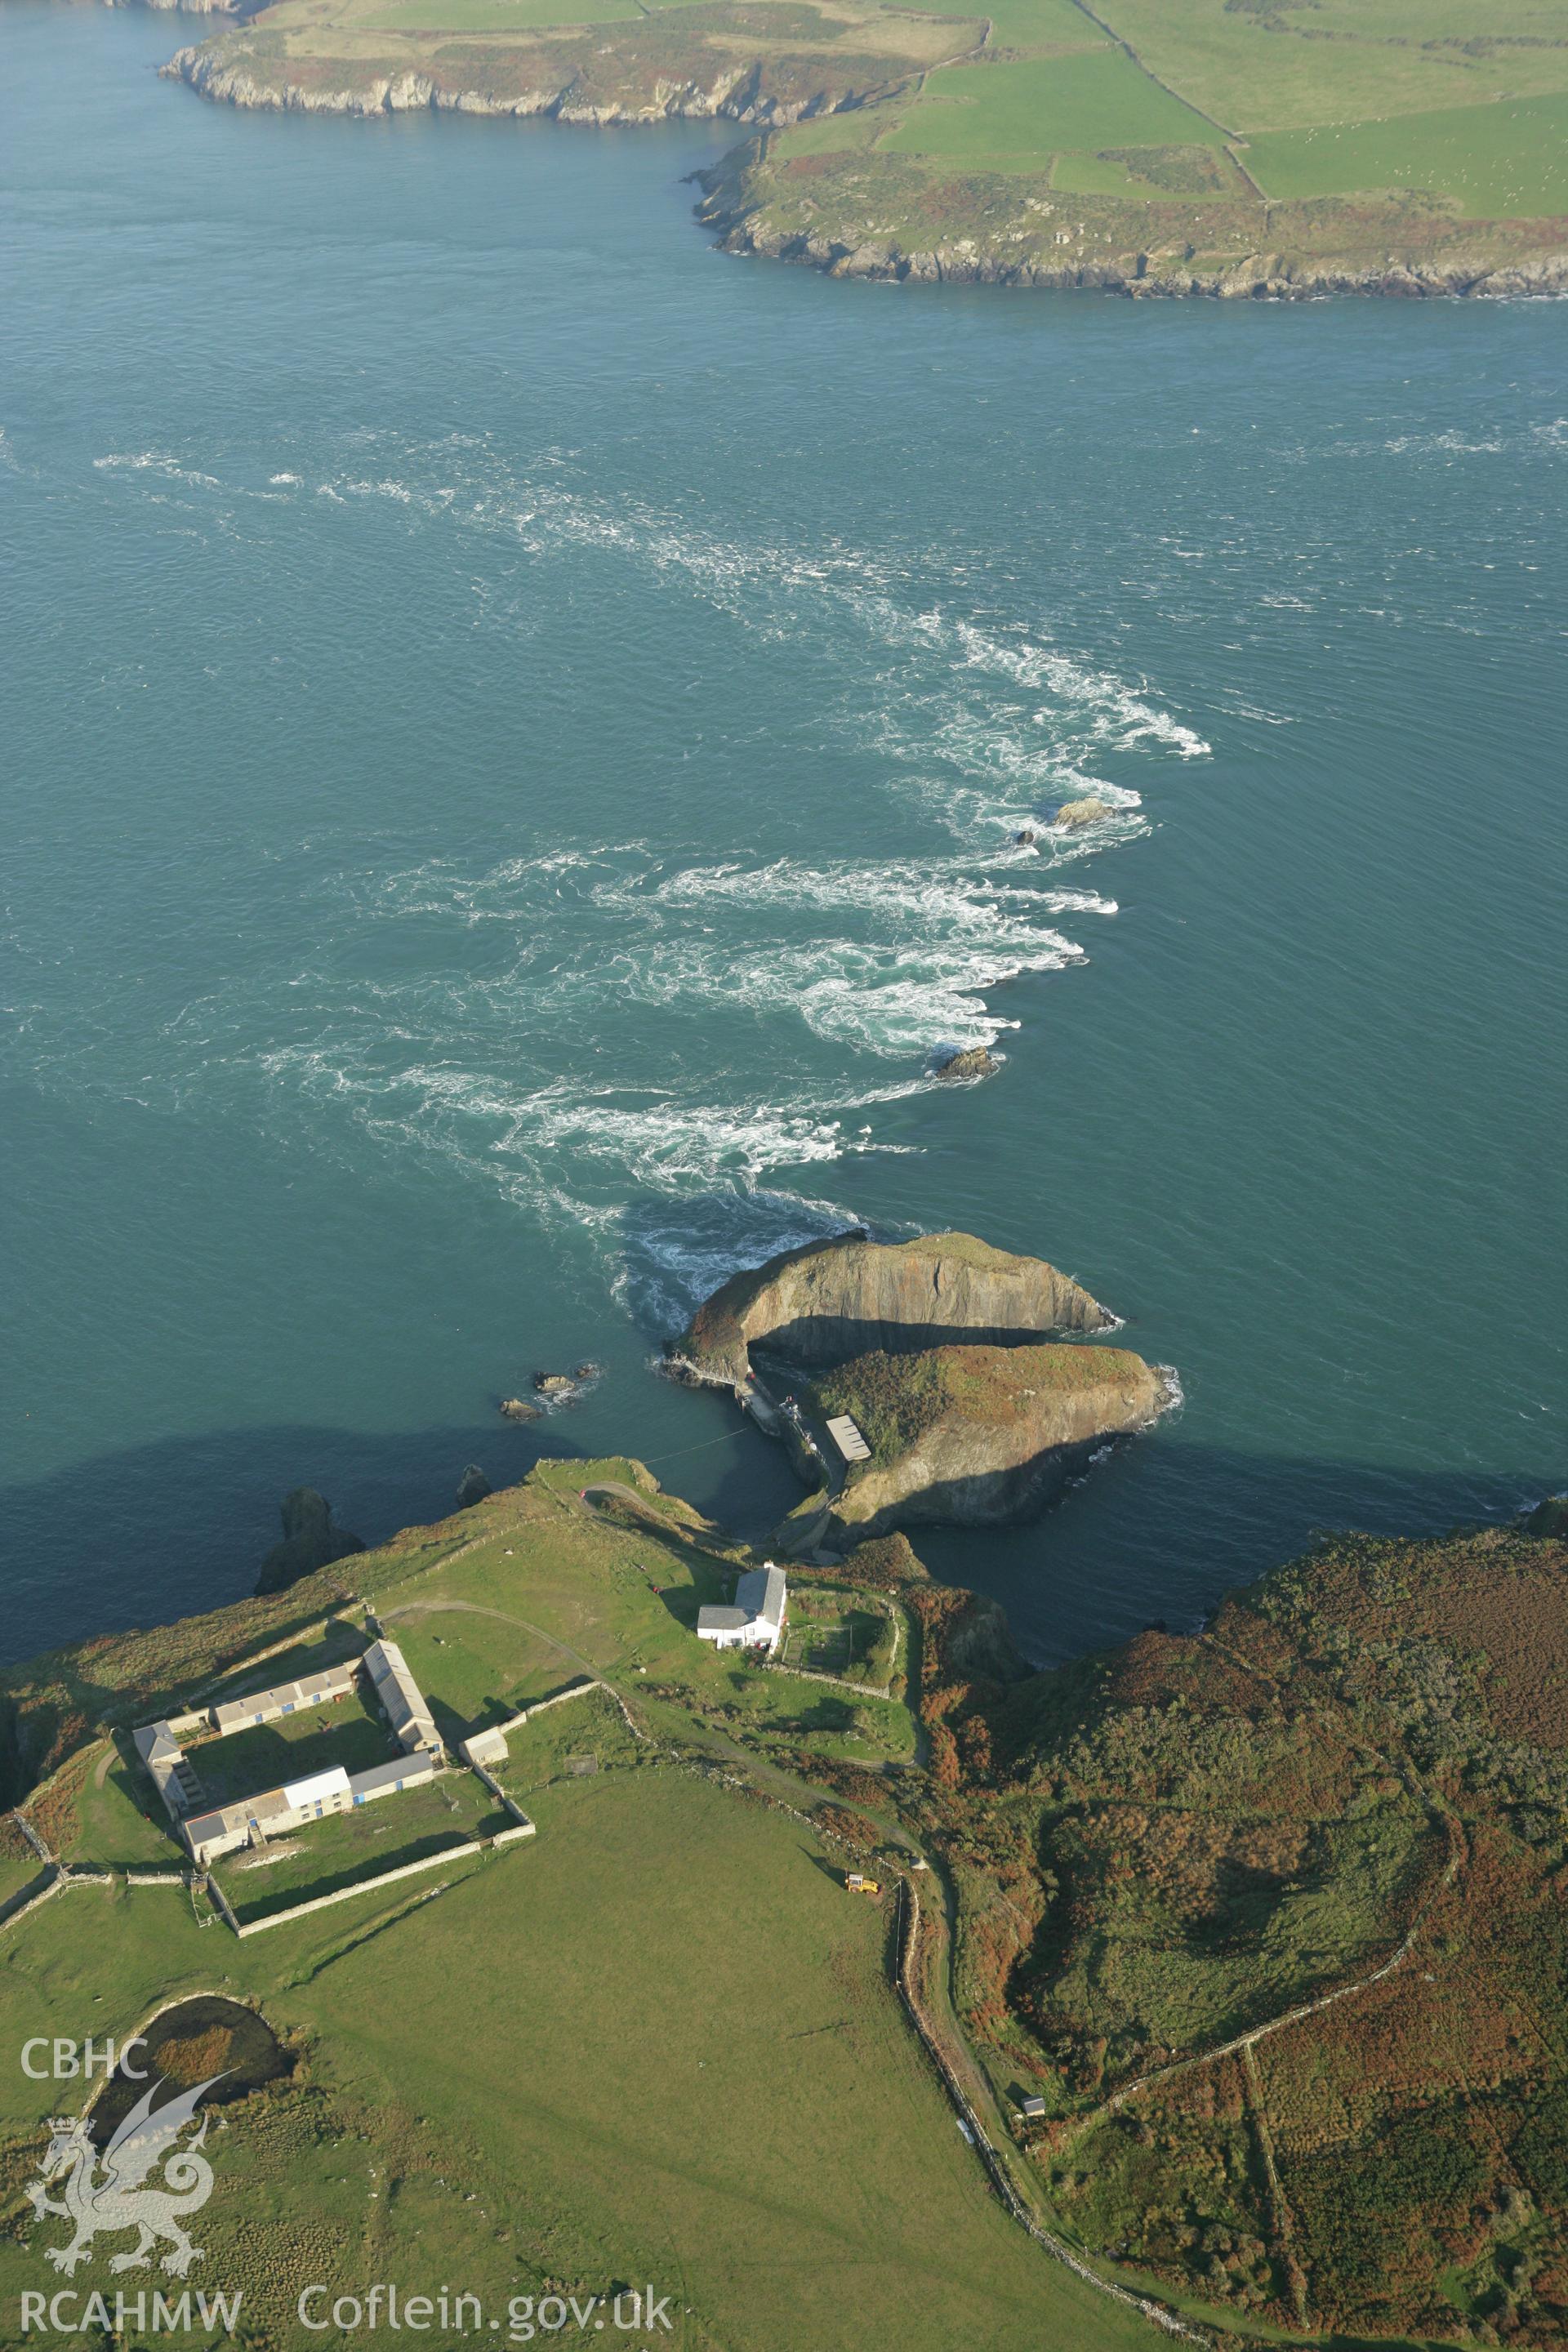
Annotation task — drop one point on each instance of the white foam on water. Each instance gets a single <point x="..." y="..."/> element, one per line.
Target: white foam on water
<point x="156" y="461"/>
<point x="448" y="1041"/>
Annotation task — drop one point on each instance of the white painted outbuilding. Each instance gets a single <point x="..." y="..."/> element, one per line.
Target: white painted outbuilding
<point x="755" y="1619"/>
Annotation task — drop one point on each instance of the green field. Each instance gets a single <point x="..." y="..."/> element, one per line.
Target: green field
<point x="590" y="1731"/>
<point x="659" y="2042"/>
<point x="491" y="16"/>
<point x="1505" y="159"/>
<point x="1022" y="113"/>
<point x="1256" y="68"/>
<point x="476" y="1670"/>
<point x="655" y="2043"/>
<point x="123" y="1820"/>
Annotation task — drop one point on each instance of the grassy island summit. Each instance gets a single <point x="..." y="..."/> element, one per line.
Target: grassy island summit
<point x="1221" y="1975"/>
<point x="1227" y="147"/>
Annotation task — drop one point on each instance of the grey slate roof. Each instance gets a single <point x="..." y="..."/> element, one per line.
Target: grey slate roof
<point x="761" y="1593"/>
<point x="382" y="1777"/>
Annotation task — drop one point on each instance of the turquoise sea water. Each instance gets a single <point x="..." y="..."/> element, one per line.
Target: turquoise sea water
<point x="515" y="727"/>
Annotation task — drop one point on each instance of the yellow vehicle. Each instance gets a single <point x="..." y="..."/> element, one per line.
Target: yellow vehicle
<point x="857" y="1883"/>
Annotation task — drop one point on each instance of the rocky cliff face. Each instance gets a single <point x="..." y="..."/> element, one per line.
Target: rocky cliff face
<point x="980" y="1436"/>
<point x="652" y="71"/>
<point x="847" y="1297"/>
<point x="312" y="1539"/>
<point x="892" y="217"/>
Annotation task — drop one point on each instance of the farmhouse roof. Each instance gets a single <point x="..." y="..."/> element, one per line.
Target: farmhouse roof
<point x="332" y="1782"/>
<point x="761" y="1593"/>
<point x="399" y="1770"/>
<point x="400" y="1695"/>
<point x="310" y="1690"/>
<point x="720" y="1618"/>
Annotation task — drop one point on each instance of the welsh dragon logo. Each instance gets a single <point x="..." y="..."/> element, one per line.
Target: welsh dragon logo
<point x="116" y="2198"/>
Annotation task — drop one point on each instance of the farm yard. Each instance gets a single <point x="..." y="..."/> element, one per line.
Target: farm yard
<point x="344" y="1848"/>
<point x="350" y="1731"/>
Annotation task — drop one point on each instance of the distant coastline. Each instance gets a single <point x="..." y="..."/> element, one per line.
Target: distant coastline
<point x="834" y="175"/>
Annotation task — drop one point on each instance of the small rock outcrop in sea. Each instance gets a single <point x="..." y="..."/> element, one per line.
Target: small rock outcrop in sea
<point x="978" y="1436"/>
<point x="1026" y="838"/>
<point x="310" y="1541"/>
<point x="518" y="1409"/>
<point x="847" y="1297"/>
<point x="553" y="1385"/>
<point x="1085" y="812"/>
<point x="973" y="1062"/>
<point x="473" y="1487"/>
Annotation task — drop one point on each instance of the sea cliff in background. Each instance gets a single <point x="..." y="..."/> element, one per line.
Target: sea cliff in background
<point x="1174" y="156"/>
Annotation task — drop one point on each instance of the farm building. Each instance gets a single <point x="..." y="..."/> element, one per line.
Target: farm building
<point x="846" y="1434"/>
<point x="250" y="1821"/>
<point x="401" y="1698"/>
<point x="486" y="1746"/>
<point x="266" y="1706"/>
<point x="754" y="1620"/>
<point x="166" y="1762"/>
<point x="253" y="1820"/>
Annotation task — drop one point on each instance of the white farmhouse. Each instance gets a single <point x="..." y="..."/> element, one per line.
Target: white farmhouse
<point x="755" y="1620"/>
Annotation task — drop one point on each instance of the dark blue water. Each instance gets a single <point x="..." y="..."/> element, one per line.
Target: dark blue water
<point x="515" y="727"/>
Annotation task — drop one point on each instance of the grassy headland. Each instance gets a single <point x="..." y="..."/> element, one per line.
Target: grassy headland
<point x="1221" y="146"/>
<point x="1271" y="1918"/>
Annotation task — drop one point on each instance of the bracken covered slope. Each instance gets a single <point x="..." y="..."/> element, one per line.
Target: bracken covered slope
<point x="978" y="1436"/>
<point x="1275" y="1919"/>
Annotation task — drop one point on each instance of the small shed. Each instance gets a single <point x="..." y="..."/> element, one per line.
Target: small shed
<point x="847" y="1436"/>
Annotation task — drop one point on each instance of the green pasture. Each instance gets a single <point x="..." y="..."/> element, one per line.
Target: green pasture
<point x="1146" y="172"/>
<point x="657" y="2043"/>
<point x="544" y="1750"/>
<point x="1342" y="60"/>
<point x="1018" y="115"/>
<point x="1506" y="160"/>
<point x="476" y="1670"/>
<point x="16" y="1873"/>
<point x="123" y="1820"/>
<point x="490" y="15"/>
<point x="1039" y="28"/>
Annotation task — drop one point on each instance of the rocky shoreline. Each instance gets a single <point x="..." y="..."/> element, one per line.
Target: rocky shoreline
<point x="759" y="209"/>
<point x="743" y="228"/>
<point x="737" y="95"/>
